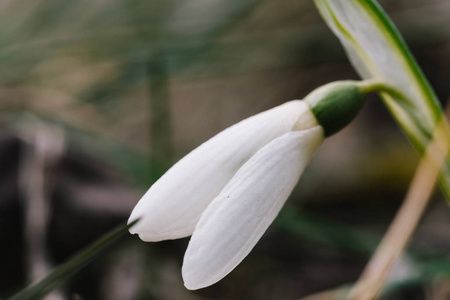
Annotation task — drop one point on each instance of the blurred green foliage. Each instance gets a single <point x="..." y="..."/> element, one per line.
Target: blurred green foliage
<point x="105" y="71"/>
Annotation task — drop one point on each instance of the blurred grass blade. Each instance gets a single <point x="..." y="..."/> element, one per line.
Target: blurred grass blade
<point x="329" y="233"/>
<point x="63" y="273"/>
<point x="336" y="235"/>
<point x="377" y="51"/>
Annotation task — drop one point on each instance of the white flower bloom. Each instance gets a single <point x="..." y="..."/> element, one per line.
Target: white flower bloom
<point x="173" y="205"/>
<point x="228" y="191"/>
<point x="238" y="217"/>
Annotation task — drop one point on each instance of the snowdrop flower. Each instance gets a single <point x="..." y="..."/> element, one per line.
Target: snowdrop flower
<point x="227" y="192"/>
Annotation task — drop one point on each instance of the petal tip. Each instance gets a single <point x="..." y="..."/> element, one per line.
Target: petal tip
<point x="192" y="282"/>
<point x="191" y="287"/>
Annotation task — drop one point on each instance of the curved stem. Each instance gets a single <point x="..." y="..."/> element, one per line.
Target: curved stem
<point x="406" y="220"/>
<point x="373" y="85"/>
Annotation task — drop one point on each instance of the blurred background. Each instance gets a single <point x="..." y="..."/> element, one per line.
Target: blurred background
<point x="98" y="98"/>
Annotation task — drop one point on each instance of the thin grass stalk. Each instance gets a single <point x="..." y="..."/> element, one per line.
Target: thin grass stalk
<point x="61" y="274"/>
<point x="399" y="233"/>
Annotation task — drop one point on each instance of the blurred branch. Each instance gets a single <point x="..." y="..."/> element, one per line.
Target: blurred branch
<point x="406" y="220"/>
<point x="44" y="147"/>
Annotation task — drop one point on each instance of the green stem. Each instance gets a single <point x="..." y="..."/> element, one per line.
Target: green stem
<point x="373" y="85"/>
<point x="62" y="273"/>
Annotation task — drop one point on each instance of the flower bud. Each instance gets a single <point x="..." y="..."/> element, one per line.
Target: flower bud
<point x="336" y="104"/>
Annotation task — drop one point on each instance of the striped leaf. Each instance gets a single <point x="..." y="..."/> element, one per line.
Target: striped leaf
<point x="377" y="51"/>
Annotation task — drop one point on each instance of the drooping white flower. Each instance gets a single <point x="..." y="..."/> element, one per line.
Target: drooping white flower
<point x="237" y="218"/>
<point x="173" y="205"/>
<point x="228" y="191"/>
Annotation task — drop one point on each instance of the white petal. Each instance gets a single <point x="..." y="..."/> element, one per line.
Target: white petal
<point x="237" y="218"/>
<point x="173" y="205"/>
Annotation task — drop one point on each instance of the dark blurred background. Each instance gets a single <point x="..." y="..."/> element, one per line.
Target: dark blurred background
<point x="99" y="97"/>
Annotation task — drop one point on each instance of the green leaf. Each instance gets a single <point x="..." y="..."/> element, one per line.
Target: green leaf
<point x="377" y="51"/>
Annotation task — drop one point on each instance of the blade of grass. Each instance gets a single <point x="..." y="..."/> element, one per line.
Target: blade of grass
<point x="331" y="234"/>
<point x="64" y="272"/>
